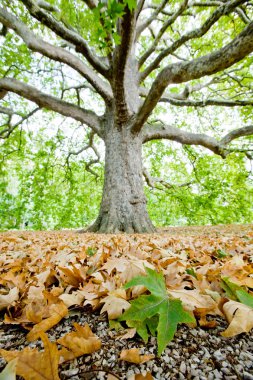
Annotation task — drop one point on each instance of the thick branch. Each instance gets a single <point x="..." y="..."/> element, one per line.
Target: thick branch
<point x="121" y="58"/>
<point x="244" y="131"/>
<point x="169" y="132"/>
<point x="224" y="9"/>
<point x="67" y="34"/>
<point x="209" y="64"/>
<point x="52" y="103"/>
<point x="207" y="102"/>
<point x="54" y="52"/>
<point x="162" y="131"/>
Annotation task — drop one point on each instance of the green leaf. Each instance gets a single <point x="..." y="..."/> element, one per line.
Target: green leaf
<point x="131" y="4"/>
<point x="171" y="314"/>
<point x="230" y="288"/>
<point x="236" y="292"/>
<point x="191" y="272"/>
<point x="141" y="329"/>
<point x="152" y="324"/>
<point x="142" y="308"/>
<point x="245" y="297"/>
<point x="221" y="254"/>
<point x="154" y="282"/>
<point x="113" y="324"/>
<point x="156" y="312"/>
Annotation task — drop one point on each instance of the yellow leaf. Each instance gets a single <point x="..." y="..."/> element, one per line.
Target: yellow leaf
<point x="133" y="356"/>
<point x="57" y="311"/>
<point x="240" y="318"/>
<point x="36" y="365"/>
<point x="79" y="342"/>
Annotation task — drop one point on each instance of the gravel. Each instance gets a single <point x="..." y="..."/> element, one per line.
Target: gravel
<point x="193" y="354"/>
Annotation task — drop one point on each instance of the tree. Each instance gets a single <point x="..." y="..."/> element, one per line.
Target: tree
<point x="134" y="56"/>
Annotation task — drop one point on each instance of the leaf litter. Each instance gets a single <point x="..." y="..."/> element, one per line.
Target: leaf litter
<point x="48" y="279"/>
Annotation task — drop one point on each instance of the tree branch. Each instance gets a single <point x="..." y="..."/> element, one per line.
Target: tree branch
<point x="153" y="181"/>
<point x="244" y="131"/>
<point x="122" y="61"/>
<point x="56" y="53"/>
<point x="207" y="102"/>
<point x="165" y="26"/>
<point x="144" y="25"/>
<point x="5" y="133"/>
<point x="209" y="64"/>
<point x="8" y="111"/>
<point x="47" y="6"/>
<point x="163" y="131"/>
<point x="67" y="34"/>
<point x="224" y="9"/>
<point x="91" y="145"/>
<point x="52" y="103"/>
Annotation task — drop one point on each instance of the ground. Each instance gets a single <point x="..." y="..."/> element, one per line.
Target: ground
<point x="50" y="280"/>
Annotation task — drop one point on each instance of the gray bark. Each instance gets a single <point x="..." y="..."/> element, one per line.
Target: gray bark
<point x="123" y="206"/>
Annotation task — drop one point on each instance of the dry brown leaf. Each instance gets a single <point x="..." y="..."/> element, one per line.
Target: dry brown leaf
<point x="79" y="342"/>
<point x="239" y="317"/>
<point x="57" y="311"/>
<point x="112" y="377"/>
<point x="74" y="298"/>
<point x="129" y="333"/>
<point x="7" y="299"/>
<point x="201" y="314"/>
<point x="133" y="356"/>
<point x="36" y="365"/>
<point x="139" y="376"/>
<point x="192" y="299"/>
<point x="115" y="303"/>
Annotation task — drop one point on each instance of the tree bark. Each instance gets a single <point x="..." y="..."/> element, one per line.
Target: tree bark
<point x="123" y="206"/>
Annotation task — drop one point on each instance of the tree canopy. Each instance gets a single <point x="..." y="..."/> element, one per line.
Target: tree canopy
<point x="174" y="77"/>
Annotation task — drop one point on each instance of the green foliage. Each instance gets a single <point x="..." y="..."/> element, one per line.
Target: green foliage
<point x="236" y="292"/>
<point x="39" y="191"/>
<point x="219" y="191"/>
<point x="155" y="313"/>
<point x="106" y="16"/>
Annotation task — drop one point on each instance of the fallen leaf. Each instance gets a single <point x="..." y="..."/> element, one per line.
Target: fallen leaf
<point x="239" y="317"/>
<point x="36" y="365"/>
<point x="112" y="377"/>
<point x="7" y="299"/>
<point x="133" y="356"/>
<point x="129" y="333"/>
<point x="193" y="298"/>
<point x="57" y="311"/>
<point x="74" y="298"/>
<point x="139" y="376"/>
<point x="115" y="303"/>
<point x="79" y="342"/>
<point x="9" y="372"/>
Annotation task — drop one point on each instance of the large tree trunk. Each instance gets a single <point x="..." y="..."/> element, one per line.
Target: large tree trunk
<point x="123" y="206"/>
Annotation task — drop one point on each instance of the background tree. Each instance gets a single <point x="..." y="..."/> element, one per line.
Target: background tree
<point x="128" y="58"/>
